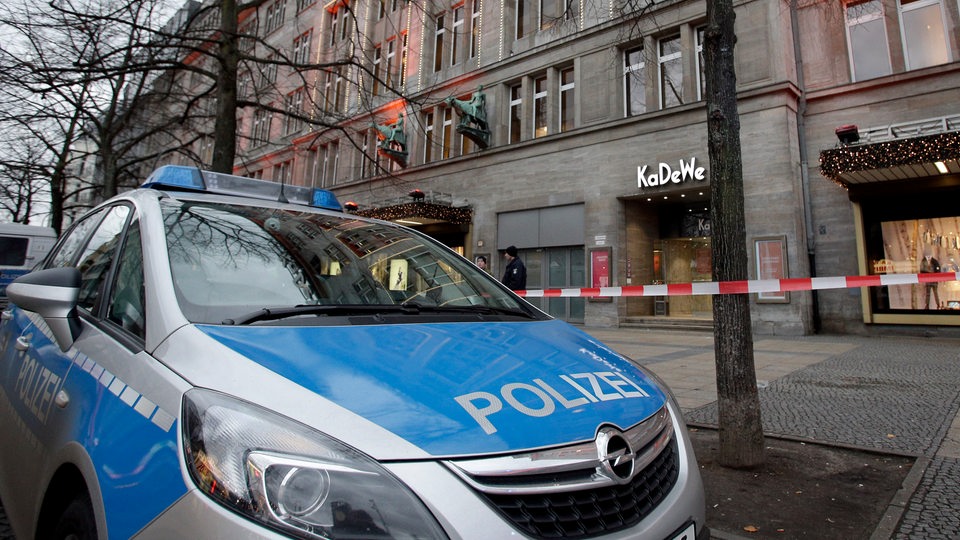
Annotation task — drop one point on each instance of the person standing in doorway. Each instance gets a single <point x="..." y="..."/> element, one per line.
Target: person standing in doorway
<point x="515" y="275"/>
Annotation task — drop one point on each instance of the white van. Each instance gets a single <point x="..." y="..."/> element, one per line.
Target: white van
<point x="21" y="248"/>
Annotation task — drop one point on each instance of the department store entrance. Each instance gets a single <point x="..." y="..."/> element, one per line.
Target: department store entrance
<point x="668" y="242"/>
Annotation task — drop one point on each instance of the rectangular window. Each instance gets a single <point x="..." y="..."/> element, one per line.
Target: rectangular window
<point x="301" y="48"/>
<point x="867" y="40"/>
<point x="388" y="69"/>
<point x="567" y="95"/>
<point x="403" y="61"/>
<point x="457" y="31"/>
<point x="635" y="82"/>
<point x="340" y="91"/>
<point x="552" y="12"/>
<point x="260" y="128"/>
<point x="439" y="34"/>
<point x="334" y="21"/>
<point x="274" y="16"/>
<point x="365" y="159"/>
<point x="329" y="83"/>
<point x="924" y="38"/>
<point x="244" y="86"/>
<point x="281" y="173"/>
<point x="701" y="73"/>
<point x="345" y="25"/>
<point x="331" y="178"/>
<point x="539" y="107"/>
<point x="519" y="13"/>
<point x="381" y="9"/>
<point x="302" y="4"/>
<point x="516" y="113"/>
<point x="268" y="72"/>
<point x="671" y="72"/>
<point x="428" y="137"/>
<point x="447" y="133"/>
<point x="377" y="52"/>
<point x="292" y="121"/>
<point x="323" y="161"/>
<point x="475" y="28"/>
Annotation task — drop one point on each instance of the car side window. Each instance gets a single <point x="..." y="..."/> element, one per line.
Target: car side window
<point x="99" y="254"/>
<point x="127" y="300"/>
<point x="74" y="240"/>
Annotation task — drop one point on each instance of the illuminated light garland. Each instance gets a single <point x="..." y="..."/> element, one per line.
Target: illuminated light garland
<point x="456" y="215"/>
<point x="913" y="151"/>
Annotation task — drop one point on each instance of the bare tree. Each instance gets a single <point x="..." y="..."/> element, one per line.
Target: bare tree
<point x="83" y="72"/>
<point x="741" y="431"/>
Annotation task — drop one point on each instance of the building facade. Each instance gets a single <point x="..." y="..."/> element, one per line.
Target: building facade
<point x="576" y="131"/>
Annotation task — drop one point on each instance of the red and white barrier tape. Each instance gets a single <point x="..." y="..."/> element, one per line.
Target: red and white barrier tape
<point x="746" y="286"/>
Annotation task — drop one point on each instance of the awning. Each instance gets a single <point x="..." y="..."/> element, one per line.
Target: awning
<point x="892" y="160"/>
<point x="423" y="213"/>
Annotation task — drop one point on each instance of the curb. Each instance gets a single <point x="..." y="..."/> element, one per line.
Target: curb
<point x="901" y="500"/>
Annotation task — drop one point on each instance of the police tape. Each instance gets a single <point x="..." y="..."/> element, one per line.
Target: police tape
<point x="745" y="286"/>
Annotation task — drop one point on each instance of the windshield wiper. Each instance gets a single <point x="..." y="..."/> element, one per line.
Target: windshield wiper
<point x="407" y="308"/>
<point x="475" y="309"/>
<point x="274" y="314"/>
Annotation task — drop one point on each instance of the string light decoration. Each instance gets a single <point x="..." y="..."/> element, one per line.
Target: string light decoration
<point x="456" y="215"/>
<point x="916" y="150"/>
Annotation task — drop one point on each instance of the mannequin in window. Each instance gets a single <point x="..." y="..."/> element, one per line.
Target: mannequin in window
<point x="929" y="264"/>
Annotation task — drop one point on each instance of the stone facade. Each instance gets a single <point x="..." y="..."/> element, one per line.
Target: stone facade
<point x="794" y="74"/>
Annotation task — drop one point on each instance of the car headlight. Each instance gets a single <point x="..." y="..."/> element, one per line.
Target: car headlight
<point x="286" y="476"/>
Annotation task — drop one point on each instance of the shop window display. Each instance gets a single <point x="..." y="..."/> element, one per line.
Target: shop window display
<point x="913" y="246"/>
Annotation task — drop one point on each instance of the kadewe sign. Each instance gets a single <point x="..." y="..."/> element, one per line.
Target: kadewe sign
<point x="665" y="173"/>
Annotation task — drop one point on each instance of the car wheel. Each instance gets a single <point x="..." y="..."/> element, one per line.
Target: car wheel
<point x="77" y="521"/>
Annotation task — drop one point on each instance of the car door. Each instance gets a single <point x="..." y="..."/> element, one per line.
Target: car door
<point x="111" y="398"/>
<point x="32" y="373"/>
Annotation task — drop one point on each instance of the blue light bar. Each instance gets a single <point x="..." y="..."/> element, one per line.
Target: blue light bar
<point x="182" y="177"/>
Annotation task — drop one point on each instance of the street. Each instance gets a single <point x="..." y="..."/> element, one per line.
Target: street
<point x="892" y="394"/>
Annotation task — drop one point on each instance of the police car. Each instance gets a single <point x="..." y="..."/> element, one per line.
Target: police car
<point x="211" y="356"/>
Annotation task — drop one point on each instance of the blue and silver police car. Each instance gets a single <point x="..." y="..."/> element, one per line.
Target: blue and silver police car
<point x="211" y="356"/>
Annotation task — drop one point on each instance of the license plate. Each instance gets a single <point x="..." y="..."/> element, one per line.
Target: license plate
<point x="690" y="533"/>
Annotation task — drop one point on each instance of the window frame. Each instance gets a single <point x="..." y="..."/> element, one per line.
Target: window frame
<point x="567" y="98"/>
<point x="850" y="23"/>
<point x="917" y="5"/>
<point x="672" y="60"/>
<point x="541" y="96"/>
<point x="456" y="33"/>
<point x="636" y="71"/>
<point x="439" y="35"/>
<point x="515" y="124"/>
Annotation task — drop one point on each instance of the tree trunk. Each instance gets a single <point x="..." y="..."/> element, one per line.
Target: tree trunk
<point x="741" y="431"/>
<point x="225" y="128"/>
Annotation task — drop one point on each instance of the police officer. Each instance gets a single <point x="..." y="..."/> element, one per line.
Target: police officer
<point x="515" y="275"/>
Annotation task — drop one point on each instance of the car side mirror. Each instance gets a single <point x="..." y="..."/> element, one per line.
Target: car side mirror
<point x="53" y="295"/>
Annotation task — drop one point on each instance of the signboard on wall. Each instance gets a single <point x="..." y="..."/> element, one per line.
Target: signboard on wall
<point x="600" y="271"/>
<point x="771" y="258"/>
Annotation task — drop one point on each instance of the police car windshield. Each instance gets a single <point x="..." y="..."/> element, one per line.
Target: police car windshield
<point x="231" y="261"/>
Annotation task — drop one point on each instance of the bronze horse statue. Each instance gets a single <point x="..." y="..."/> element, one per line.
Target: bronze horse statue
<point x="473" y="111"/>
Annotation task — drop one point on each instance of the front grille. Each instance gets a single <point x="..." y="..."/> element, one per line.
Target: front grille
<point x="592" y="512"/>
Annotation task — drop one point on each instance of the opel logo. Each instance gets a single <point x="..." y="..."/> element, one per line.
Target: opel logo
<point x="616" y="457"/>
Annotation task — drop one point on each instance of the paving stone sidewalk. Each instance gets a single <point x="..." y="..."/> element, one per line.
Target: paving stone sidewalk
<point x="897" y="395"/>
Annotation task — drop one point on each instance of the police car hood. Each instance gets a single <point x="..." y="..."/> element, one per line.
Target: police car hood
<point x="460" y="388"/>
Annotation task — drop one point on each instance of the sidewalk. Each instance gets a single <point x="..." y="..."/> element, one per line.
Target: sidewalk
<point x="897" y="395"/>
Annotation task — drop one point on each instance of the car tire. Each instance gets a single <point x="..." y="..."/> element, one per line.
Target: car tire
<point x="77" y="521"/>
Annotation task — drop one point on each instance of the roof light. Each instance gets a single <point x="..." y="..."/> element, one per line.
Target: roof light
<point x="182" y="177"/>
